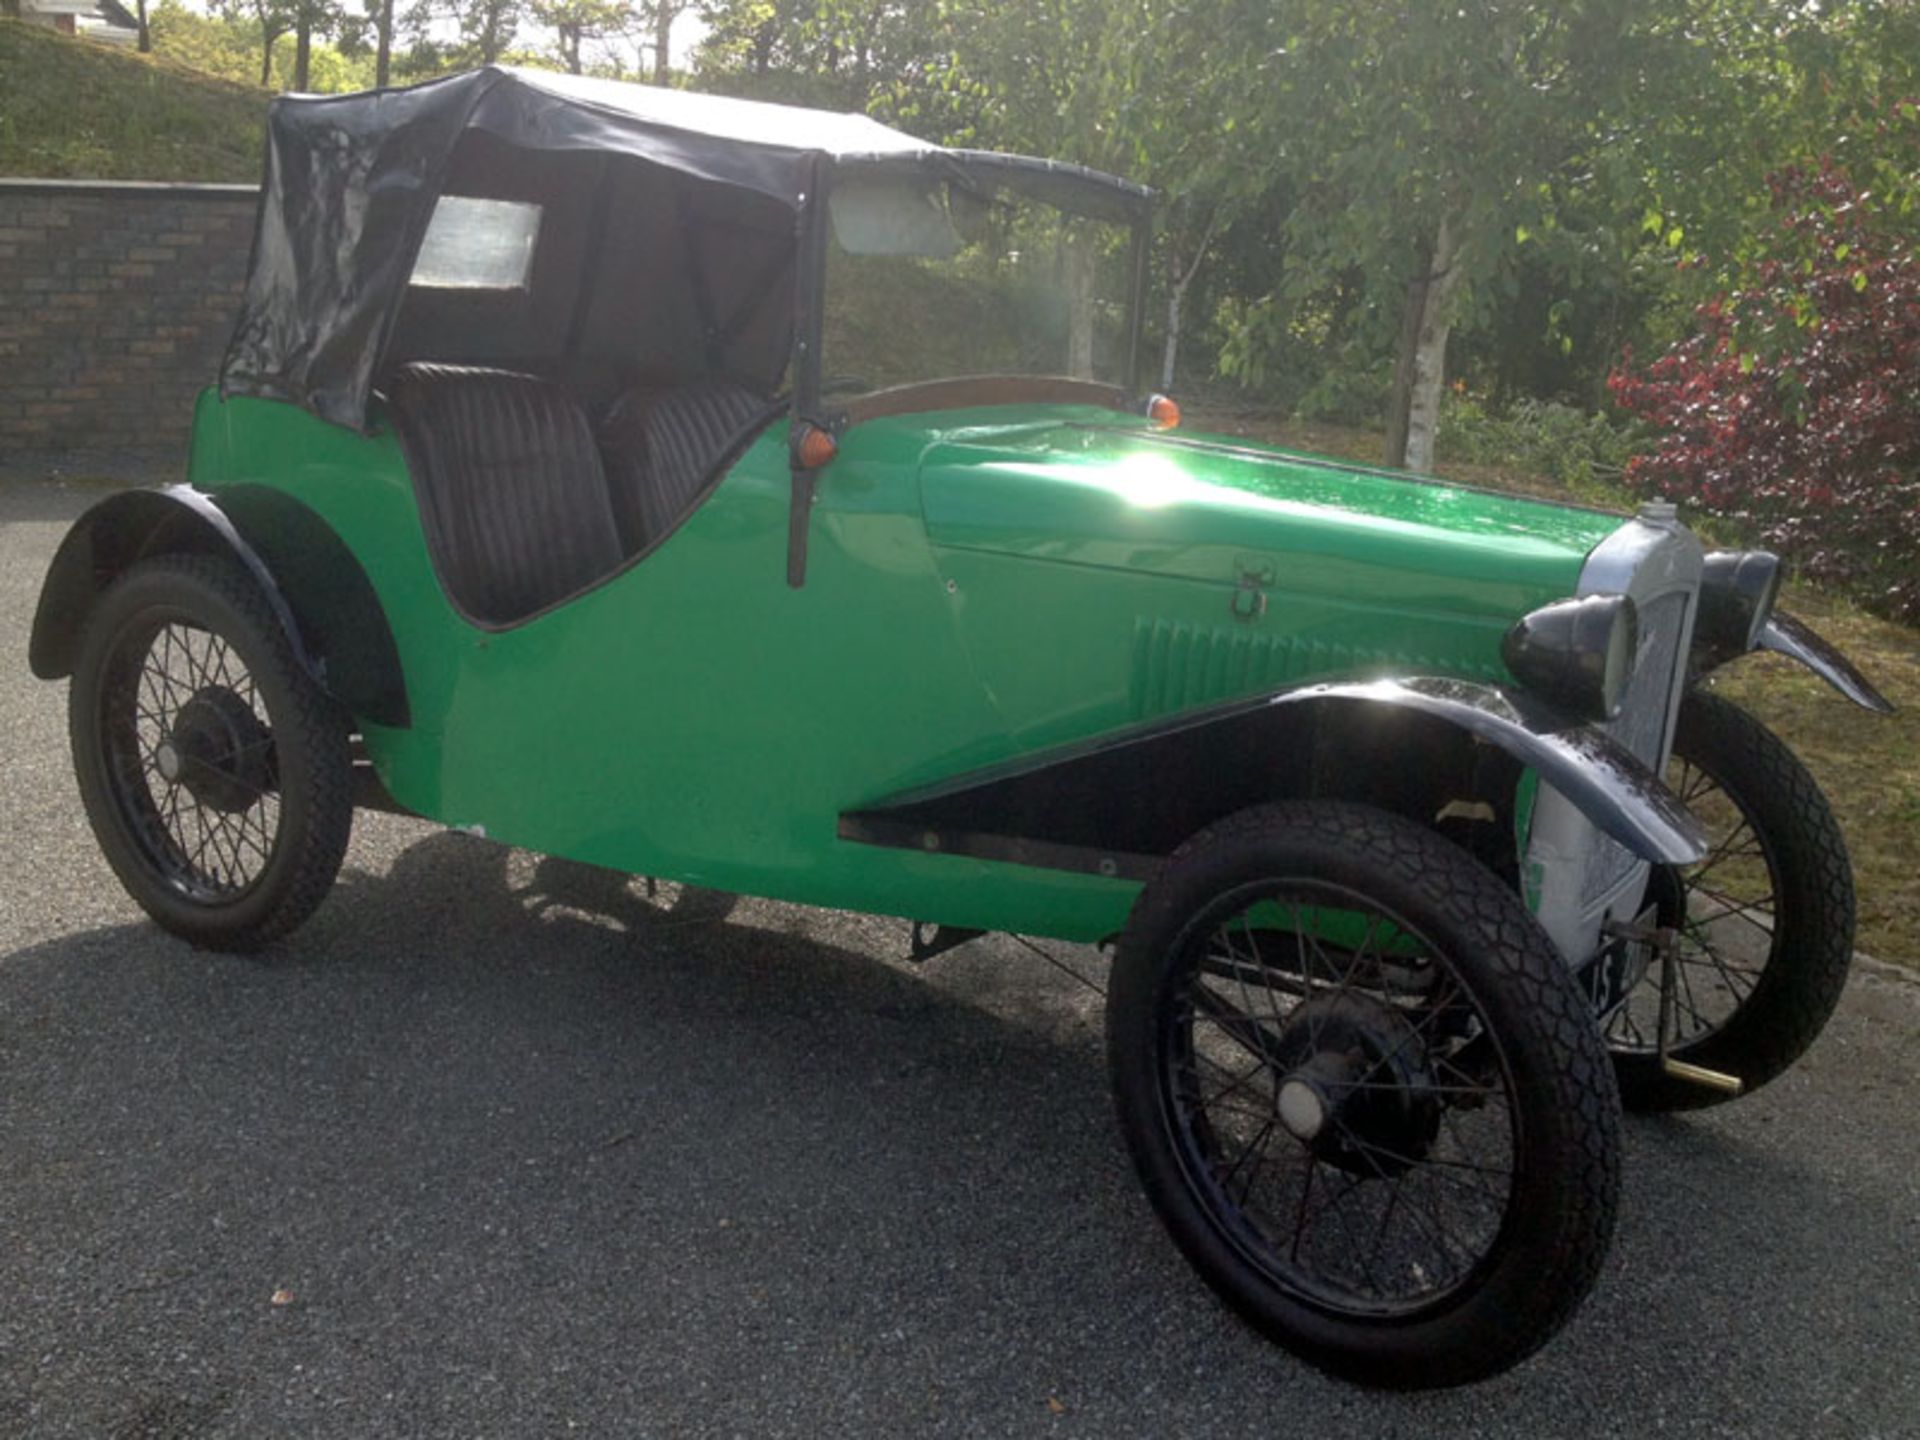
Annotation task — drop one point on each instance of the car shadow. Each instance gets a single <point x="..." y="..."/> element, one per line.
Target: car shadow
<point x="503" y="1142"/>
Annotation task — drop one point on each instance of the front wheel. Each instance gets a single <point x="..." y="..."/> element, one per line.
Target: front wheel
<point x="1364" y="1093"/>
<point x="215" y="773"/>
<point x="1764" y="921"/>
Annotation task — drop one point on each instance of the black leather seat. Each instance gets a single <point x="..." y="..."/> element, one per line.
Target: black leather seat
<point x="662" y="446"/>
<point x="512" y="491"/>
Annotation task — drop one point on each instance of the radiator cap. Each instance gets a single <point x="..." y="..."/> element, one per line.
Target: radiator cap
<point x="1659" y="512"/>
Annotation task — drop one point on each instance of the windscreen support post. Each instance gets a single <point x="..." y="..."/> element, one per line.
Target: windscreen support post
<point x="809" y="283"/>
<point x="1142" y="234"/>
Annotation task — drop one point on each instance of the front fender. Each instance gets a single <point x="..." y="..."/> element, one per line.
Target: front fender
<point x="1605" y="781"/>
<point x="1118" y="804"/>
<point x="1785" y="635"/>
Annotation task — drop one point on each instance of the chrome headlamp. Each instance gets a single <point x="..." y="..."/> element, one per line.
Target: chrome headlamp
<point x="1737" y="591"/>
<point x="1576" y="654"/>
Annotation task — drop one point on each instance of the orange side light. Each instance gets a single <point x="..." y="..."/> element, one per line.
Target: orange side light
<point x="816" y="448"/>
<point x="1163" y="412"/>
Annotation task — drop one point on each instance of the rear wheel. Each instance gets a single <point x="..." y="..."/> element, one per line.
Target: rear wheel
<point x="215" y="773"/>
<point x="1765" y="920"/>
<point x="1364" y="1094"/>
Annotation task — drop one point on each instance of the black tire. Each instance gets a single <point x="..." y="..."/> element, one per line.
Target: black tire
<point x="1519" y="1061"/>
<point x="1766" y="919"/>
<point x="215" y="773"/>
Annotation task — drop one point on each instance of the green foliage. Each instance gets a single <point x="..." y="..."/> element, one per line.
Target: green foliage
<point x="331" y="72"/>
<point x="1300" y="360"/>
<point x="1255" y="340"/>
<point x="1576" y="448"/>
<point x="862" y="55"/>
<point x="211" y="44"/>
<point x="578" y="24"/>
<point x="1577" y="151"/>
<point x="229" y="43"/>
<point x="483" y="33"/>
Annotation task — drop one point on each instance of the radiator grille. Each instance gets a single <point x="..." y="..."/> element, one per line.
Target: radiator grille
<point x="1642" y="723"/>
<point x="1642" y="726"/>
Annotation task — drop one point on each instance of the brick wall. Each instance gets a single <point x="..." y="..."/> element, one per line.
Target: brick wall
<point x="116" y="301"/>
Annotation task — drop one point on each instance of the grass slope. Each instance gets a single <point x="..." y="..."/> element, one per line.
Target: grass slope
<point x="80" y="109"/>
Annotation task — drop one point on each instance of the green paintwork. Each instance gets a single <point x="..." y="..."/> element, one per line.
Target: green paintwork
<point x="981" y="584"/>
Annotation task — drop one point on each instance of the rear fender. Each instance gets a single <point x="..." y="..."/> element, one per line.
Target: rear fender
<point x="317" y="590"/>
<point x="1120" y="804"/>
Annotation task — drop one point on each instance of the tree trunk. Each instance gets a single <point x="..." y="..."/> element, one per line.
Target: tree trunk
<point x="1430" y="352"/>
<point x="1079" y="288"/>
<point x="1177" y="282"/>
<point x="267" y="39"/>
<point x="146" y="35"/>
<point x="302" y="52"/>
<point x="1176" y="293"/>
<point x="662" y="35"/>
<point x="1400" y="397"/>
<point x="383" y="51"/>
<point x="493" y="33"/>
<point x="763" y="39"/>
<point x="1419" y="370"/>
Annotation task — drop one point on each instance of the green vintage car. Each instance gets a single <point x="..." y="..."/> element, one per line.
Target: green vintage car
<point x="763" y="499"/>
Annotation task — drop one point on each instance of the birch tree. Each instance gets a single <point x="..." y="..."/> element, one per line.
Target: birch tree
<point x="1427" y="141"/>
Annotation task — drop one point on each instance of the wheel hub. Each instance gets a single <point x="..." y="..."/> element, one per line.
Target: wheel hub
<point x="1303" y="1108"/>
<point x="1355" y="1085"/>
<point x="219" y="749"/>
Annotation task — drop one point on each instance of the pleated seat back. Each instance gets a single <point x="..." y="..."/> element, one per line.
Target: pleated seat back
<point x="512" y="490"/>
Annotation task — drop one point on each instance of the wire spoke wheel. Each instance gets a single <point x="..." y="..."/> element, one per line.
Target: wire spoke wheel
<point x="215" y="773"/>
<point x="1341" y="1096"/>
<point x="1363" y="1093"/>
<point x="189" y="746"/>
<point x="1723" y="911"/>
<point x="1763" y="921"/>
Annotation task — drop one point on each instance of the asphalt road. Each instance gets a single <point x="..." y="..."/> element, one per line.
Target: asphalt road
<point x="532" y="1160"/>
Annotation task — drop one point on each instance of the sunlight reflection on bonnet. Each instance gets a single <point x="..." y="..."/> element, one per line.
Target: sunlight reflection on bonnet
<point x="1152" y="481"/>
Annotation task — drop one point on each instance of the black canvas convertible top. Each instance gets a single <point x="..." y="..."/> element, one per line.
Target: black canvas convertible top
<point x="352" y="180"/>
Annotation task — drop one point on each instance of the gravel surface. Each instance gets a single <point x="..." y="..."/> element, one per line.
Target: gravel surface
<point x="496" y="1147"/>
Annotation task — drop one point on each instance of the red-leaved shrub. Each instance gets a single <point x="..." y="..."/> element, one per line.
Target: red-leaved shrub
<point x="1794" y="408"/>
